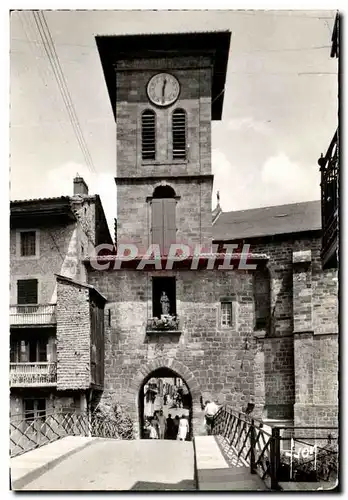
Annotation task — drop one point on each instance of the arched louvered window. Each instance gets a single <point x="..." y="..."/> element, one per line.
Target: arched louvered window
<point x="179" y="134"/>
<point x="148" y="135"/>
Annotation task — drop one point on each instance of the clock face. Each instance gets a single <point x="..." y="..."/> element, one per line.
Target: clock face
<point x="163" y="89"/>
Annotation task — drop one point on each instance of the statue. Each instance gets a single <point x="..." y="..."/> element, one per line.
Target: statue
<point x="165" y="303"/>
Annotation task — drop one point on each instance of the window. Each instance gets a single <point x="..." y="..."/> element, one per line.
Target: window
<point x="168" y="286"/>
<point x="179" y="134"/>
<point x="27" y="291"/>
<point x="163" y="222"/>
<point x="28" y="351"/>
<point x="34" y="408"/>
<point x="28" y="243"/>
<point x="226" y="313"/>
<point x="148" y="135"/>
<point x="262" y="298"/>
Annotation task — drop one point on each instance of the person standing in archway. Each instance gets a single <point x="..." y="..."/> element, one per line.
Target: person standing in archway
<point x="183" y="428"/>
<point x="153" y="429"/>
<point x="161" y="424"/>
<point x="176" y="426"/>
<point x="170" y="427"/>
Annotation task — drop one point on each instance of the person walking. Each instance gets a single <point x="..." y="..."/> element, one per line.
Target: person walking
<point x="169" y="427"/>
<point x="176" y="426"/>
<point x="153" y="429"/>
<point x="209" y="412"/>
<point x="183" y="428"/>
<point x="161" y="424"/>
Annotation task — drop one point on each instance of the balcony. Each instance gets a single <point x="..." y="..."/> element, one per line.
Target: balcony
<point x="329" y="169"/>
<point x="29" y="315"/>
<point x="33" y="374"/>
<point x="165" y="324"/>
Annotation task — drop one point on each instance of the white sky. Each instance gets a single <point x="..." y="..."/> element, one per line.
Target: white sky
<point x="280" y="106"/>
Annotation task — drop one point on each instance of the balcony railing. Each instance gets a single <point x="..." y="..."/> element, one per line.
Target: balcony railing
<point x="38" y="314"/>
<point x="329" y="168"/>
<point x="33" y="374"/>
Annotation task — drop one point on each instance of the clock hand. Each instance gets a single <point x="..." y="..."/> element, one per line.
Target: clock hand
<point x="163" y="87"/>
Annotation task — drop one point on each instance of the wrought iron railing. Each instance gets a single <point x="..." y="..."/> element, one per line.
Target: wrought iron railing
<point x="329" y="168"/>
<point x="33" y="314"/>
<point x="31" y="432"/>
<point x="33" y="374"/>
<point x="262" y="447"/>
<point x="311" y="454"/>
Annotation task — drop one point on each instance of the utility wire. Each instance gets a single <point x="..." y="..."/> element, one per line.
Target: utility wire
<point x="71" y="107"/>
<point x="25" y="22"/>
<point x="52" y="56"/>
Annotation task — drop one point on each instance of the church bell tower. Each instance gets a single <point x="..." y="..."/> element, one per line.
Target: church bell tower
<point x="164" y="90"/>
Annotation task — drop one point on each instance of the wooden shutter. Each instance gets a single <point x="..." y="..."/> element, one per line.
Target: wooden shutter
<point x="179" y="134"/>
<point x="169" y="224"/>
<point x="148" y="135"/>
<point x="157" y="222"/>
<point x="27" y="292"/>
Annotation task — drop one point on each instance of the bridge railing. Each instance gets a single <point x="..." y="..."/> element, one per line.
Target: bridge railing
<point x="279" y="453"/>
<point x="31" y="432"/>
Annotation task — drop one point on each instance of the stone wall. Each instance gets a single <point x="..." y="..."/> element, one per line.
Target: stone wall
<point x="213" y="360"/>
<point x="194" y="98"/>
<point x="315" y="309"/>
<point x="58" y="253"/>
<point x="194" y="206"/>
<point x="73" y="336"/>
<point x="193" y="214"/>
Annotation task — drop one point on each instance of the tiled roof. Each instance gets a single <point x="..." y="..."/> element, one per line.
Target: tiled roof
<point x="268" y="221"/>
<point x="30" y="200"/>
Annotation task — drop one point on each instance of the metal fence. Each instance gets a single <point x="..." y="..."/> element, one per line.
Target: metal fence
<point x="29" y="433"/>
<point x="279" y="453"/>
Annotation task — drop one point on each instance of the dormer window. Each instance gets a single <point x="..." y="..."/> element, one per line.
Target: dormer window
<point x="148" y="135"/>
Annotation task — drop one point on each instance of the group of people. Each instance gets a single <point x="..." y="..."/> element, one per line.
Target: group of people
<point x="174" y="401"/>
<point x="160" y="427"/>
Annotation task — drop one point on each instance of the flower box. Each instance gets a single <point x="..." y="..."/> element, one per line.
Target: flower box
<point x="164" y="323"/>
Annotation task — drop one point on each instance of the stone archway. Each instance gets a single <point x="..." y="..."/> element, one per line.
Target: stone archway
<point x="183" y="372"/>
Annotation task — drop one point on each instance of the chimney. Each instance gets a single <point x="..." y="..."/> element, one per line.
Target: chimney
<point x="80" y="187"/>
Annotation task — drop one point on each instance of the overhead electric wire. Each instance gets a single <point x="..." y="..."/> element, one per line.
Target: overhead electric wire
<point x="48" y="44"/>
<point x="27" y="27"/>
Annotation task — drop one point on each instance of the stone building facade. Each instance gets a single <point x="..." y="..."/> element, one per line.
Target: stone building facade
<point x="56" y="318"/>
<point x="266" y="336"/>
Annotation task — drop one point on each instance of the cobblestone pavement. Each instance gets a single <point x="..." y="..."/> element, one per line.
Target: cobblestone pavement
<point x="123" y="465"/>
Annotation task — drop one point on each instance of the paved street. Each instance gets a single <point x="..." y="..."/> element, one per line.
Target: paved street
<point x="123" y="465"/>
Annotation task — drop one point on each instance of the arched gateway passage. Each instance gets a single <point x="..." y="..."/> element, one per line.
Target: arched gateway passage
<point x="172" y="367"/>
<point x="164" y="390"/>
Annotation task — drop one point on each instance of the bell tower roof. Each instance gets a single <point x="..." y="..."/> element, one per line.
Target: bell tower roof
<point x="216" y="44"/>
